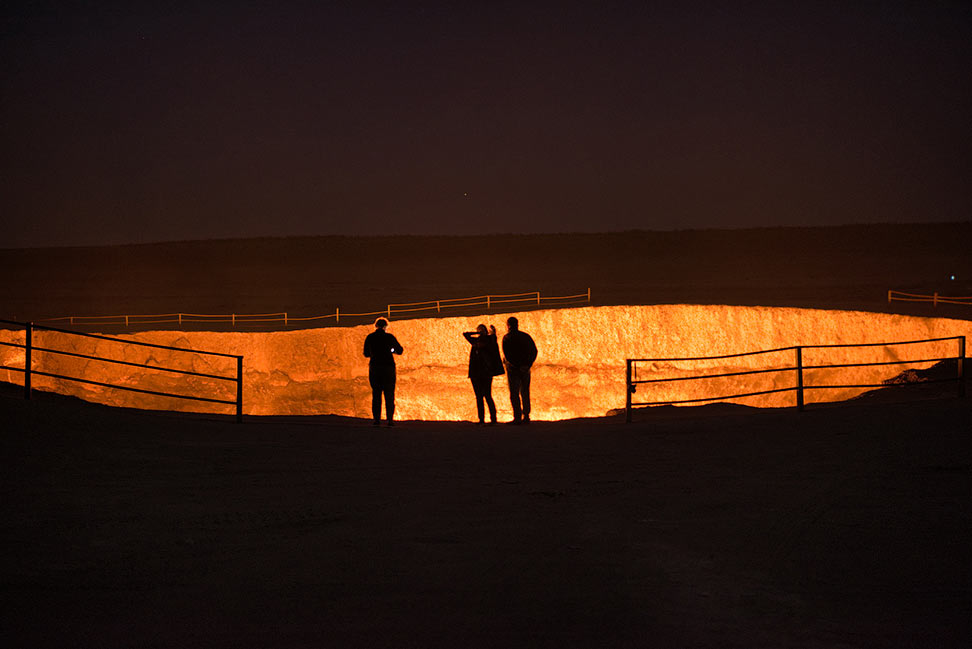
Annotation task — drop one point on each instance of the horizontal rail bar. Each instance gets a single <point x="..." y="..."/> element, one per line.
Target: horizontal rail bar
<point x="917" y="360"/>
<point x="131" y="364"/>
<point x="894" y="294"/>
<point x="169" y="317"/>
<point x="362" y="315"/>
<point x="434" y="306"/>
<point x="220" y="318"/>
<point x="15" y="369"/>
<point x="314" y="317"/>
<point x="902" y="342"/>
<point x="432" y="303"/>
<point x="806" y="387"/>
<point x="711" y="358"/>
<point x="237" y="321"/>
<point x="127" y="342"/>
<point x="784" y="349"/>
<point x="731" y="396"/>
<point x="532" y="294"/>
<point x="228" y="315"/>
<point x="6" y="344"/>
<point x="413" y="310"/>
<point x="911" y="299"/>
<point x="716" y="376"/>
<point x="122" y="387"/>
<point x="514" y="300"/>
<point x="880" y="385"/>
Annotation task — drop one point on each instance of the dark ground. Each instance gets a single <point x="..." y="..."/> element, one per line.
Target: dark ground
<point x="706" y="527"/>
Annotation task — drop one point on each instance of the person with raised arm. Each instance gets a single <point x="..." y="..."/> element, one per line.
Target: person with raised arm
<point x="484" y="364"/>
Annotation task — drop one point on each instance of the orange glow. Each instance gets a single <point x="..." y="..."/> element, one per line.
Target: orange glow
<point x="579" y="373"/>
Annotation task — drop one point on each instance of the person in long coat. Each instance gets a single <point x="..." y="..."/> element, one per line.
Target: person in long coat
<point x="484" y="364"/>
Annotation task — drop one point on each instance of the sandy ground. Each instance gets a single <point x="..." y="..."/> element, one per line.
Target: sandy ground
<point x="842" y="526"/>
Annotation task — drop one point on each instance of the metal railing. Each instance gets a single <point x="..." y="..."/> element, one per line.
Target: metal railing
<point x="28" y="369"/>
<point x="236" y="319"/>
<point x="934" y="298"/>
<point x="632" y="380"/>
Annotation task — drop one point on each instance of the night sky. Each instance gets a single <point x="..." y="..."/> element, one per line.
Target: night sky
<point x="139" y="122"/>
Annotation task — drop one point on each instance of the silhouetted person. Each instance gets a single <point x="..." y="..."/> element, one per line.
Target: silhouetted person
<point x="520" y="351"/>
<point x="379" y="347"/>
<point x="484" y="364"/>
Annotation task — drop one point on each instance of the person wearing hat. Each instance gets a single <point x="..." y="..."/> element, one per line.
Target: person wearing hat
<point x="380" y="347"/>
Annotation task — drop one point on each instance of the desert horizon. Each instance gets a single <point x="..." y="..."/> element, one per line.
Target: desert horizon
<point x="840" y="267"/>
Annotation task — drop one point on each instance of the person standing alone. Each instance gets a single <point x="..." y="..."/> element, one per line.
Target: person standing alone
<point x="520" y="352"/>
<point x="380" y="346"/>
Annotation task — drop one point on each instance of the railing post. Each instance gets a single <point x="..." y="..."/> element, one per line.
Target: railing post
<point x="239" y="389"/>
<point x="627" y="392"/>
<point x="799" y="368"/>
<point x="889" y="296"/>
<point x="337" y="315"/>
<point x="126" y="322"/>
<point x="233" y="316"/>
<point x="487" y="303"/>
<point x="389" y="313"/>
<point x="180" y="319"/>
<point x="437" y="309"/>
<point x="588" y="294"/>
<point x="961" y="367"/>
<point x="285" y="318"/>
<point x="538" y="298"/>
<point x="935" y="299"/>
<point x="27" y="347"/>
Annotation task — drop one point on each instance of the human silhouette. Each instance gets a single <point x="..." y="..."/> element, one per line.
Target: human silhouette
<point x="484" y="364"/>
<point x="380" y="346"/>
<point x="520" y="352"/>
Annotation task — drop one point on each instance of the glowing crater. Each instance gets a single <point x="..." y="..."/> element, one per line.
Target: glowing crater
<point x="580" y="371"/>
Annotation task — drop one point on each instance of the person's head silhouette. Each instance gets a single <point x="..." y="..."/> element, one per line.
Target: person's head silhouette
<point x="481" y="329"/>
<point x="512" y="324"/>
<point x="381" y="323"/>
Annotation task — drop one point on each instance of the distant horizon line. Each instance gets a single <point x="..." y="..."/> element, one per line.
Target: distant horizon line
<point x="227" y="239"/>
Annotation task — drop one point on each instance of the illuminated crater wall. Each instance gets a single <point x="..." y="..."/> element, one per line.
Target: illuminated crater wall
<point x="580" y="371"/>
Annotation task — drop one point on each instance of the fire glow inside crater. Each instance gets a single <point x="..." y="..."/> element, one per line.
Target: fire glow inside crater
<point x="580" y="371"/>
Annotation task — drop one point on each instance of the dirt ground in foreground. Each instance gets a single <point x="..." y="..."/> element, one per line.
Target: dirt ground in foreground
<point x="837" y="527"/>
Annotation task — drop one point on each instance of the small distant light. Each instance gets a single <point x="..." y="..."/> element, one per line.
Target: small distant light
<point x="952" y="277"/>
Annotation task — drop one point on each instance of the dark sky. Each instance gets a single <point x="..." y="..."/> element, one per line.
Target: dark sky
<point x="149" y="122"/>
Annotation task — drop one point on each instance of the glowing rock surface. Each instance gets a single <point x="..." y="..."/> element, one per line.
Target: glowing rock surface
<point x="580" y="371"/>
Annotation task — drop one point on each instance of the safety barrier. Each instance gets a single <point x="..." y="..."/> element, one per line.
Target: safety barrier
<point x="28" y="369"/>
<point x="934" y="298"/>
<point x="391" y="310"/>
<point x="798" y="368"/>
